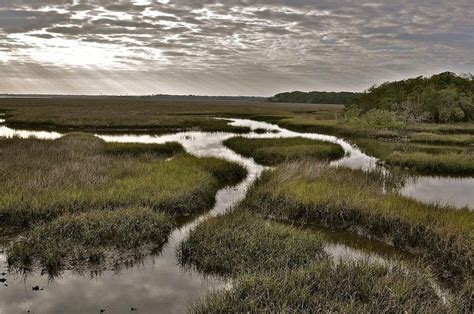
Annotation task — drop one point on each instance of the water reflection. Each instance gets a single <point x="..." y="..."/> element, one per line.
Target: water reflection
<point x="159" y="284"/>
<point x="458" y="192"/>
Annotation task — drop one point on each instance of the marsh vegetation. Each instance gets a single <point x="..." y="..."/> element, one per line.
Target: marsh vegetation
<point x="275" y="151"/>
<point x="80" y="241"/>
<point x="80" y="193"/>
<point x="351" y="287"/>
<point x="79" y="202"/>
<point x="239" y="243"/>
<point x="281" y="268"/>
<point x="134" y="114"/>
<point x="309" y="193"/>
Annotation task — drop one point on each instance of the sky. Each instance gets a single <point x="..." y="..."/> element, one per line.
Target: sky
<point x="228" y="47"/>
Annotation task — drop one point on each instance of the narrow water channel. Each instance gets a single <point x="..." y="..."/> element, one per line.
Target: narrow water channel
<point x="159" y="284"/>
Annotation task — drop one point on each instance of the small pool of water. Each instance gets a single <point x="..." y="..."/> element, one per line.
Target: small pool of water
<point x="159" y="283"/>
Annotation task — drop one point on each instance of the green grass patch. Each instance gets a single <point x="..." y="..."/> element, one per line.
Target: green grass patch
<point x="444" y="128"/>
<point x="240" y="242"/>
<point x="334" y="127"/>
<point x="226" y="173"/>
<point x="309" y="193"/>
<point x="41" y="180"/>
<point x="89" y="237"/>
<point x="374" y="119"/>
<point x="275" y="151"/>
<point x="447" y="163"/>
<point x="382" y="148"/>
<point x="424" y="158"/>
<point x="325" y="287"/>
<point x="431" y="138"/>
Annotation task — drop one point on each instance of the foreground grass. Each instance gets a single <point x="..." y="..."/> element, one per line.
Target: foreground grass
<point x="237" y="243"/>
<point x="348" y="287"/>
<point x="275" y="151"/>
<point x="42" y="180"/>
<point x="72" y="240"/>
<point x="308" y="193"/>
<point x="278" y="268"/>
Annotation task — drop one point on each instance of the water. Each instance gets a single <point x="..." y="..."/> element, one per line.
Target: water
<point x="159" y="284"/>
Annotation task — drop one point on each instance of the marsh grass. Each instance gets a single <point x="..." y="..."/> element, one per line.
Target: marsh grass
<point x="423" y="158"/>
<point x="282" y="268"/>
<point x="432" y="138"/>
<point x="309" y="193"/>
<point x="138" y="114"/>
<point x="239" y="243"/>
<point x="41" y="180"/>
<point x="325" y="287"/>
<point x="447" y="163"/>
<point x="85" y="238"/>
<point x="382" y="148"/>
<point x="444" y="128"/>
<point x="78" y="200"/>
<point x="314" y="124"/>
<point x="114" y="122"/>
<point x="275" y="151"/>
<point x="144" y="150"/>
<point x="449" y="152"/>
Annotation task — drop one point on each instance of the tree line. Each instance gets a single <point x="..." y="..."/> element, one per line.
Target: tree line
<point x="441" y="98"/>
<point x="340" y="98"/>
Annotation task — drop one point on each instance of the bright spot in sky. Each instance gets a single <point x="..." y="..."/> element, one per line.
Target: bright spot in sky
<point x="70" y="52"/>
<point x="5" y="56"/>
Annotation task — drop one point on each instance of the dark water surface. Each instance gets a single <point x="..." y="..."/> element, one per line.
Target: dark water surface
<point x="159" y="284"/>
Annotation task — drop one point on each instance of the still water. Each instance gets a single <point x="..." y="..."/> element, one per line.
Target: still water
<point x="159" y="284"/>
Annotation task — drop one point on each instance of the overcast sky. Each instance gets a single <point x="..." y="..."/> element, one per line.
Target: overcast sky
<point x="228" y="47"/>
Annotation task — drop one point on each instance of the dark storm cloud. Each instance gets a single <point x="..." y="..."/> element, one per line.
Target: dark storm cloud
<point x="238" y="46"/>
<point x="16" y="21"/>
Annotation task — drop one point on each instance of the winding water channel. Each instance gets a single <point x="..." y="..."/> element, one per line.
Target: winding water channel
<point x="159" y="283"/>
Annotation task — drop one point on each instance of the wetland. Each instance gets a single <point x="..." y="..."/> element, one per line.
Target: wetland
<point x="226" y="207"/>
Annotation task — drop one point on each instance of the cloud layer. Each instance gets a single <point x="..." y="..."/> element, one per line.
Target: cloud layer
<point x="227" y="47"/>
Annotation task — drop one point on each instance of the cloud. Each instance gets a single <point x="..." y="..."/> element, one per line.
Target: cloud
<point x="238" y="46"/>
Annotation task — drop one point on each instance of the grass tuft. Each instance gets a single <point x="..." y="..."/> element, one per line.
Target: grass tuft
<point x="239" y="242"/>
<point x="275" y="151"/>
<point x="71" y="240"/>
